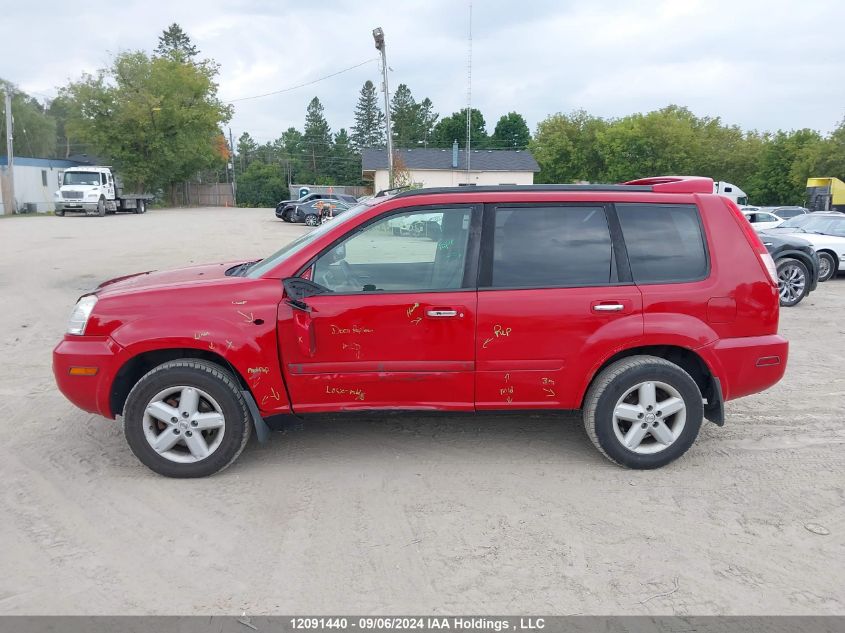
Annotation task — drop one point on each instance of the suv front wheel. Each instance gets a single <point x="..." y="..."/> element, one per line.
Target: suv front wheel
<point x="187" y="418"/>
<point x="643" y="412"/>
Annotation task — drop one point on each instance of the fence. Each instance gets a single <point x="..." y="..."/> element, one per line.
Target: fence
<point x="351" y="190"/>
<point x="194" y="194"/>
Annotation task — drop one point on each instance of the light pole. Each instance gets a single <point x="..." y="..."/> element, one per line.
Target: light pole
<point x="378" y="37"/>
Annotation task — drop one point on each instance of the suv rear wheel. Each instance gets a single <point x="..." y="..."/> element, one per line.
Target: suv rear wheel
<point x="643" y="412"/>
<point x="186" y="418"/>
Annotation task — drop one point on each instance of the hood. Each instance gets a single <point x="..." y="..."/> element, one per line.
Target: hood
<point x="158" y="278"/>
<point x="783" y="239"/>
<point x="817" y="240"/>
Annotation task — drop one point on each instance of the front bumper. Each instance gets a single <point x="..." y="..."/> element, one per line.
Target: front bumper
<point x="76" y="205"/>
<point x="89" y="393"/>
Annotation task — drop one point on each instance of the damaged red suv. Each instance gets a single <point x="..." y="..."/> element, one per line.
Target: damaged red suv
<point x="646" y="305"/>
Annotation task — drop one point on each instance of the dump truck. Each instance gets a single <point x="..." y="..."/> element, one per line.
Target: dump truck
<point x="96" y="191"/>
<point x="825" y="194"/>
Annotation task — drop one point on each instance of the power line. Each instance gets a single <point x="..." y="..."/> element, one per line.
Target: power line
<point x="307" y="83"/>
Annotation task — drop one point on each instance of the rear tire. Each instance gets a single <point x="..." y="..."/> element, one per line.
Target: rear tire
<point x="827" y="266"/>
<point x="643" y="412"/>
<point x="202" y="445"/>
<point x="793" y="278"/>
<point x="312" y="220"/>
<point x="140" y="206"/>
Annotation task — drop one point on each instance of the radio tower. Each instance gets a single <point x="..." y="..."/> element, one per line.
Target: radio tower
<point x="469" y="90"/>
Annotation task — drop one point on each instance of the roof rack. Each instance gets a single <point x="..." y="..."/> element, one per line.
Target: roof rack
<point x="659" y="184"/>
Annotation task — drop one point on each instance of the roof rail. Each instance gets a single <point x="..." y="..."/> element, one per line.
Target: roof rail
<point x="660" y="184"/>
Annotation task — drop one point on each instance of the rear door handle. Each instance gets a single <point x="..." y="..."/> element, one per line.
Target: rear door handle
<point x="608" y="307"/>
<point x="441" y="314"/>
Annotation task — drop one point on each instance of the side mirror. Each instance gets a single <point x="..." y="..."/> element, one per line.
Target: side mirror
<point x="297" y="289"/>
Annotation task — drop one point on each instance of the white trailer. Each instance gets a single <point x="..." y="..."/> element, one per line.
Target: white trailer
<point x="96" y="191"/>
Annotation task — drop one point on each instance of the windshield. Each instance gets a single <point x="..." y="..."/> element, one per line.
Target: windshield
<point x="302" y="241"/>
<point x="824" y="224"/>
<point x="81" y="178"/>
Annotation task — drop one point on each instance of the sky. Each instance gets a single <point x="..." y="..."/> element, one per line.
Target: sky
<point x="760" y="64"/>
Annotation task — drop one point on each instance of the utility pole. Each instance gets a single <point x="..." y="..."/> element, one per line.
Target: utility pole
<point x="10" y="152"/>
<point x="469" y="95"/>
<point x="234" y="187"/>
<point x="378" y="36"/>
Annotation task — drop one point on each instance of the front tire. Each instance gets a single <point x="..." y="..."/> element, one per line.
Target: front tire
<point x="643" y="412"/>
<point x="827" y="266"/>
<point x="792" y="281"/>
<point x="101" y="207"/>
<point x="187" y="418"/>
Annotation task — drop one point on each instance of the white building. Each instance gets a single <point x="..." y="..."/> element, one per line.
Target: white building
<point x="36" y="180"/>
<point x="435" y="167"/>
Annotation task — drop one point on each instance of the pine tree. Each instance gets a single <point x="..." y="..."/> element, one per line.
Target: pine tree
<point x="175" y="44"/>
<point x="404" y="114"/>
<point x="317" y="137"/>
<point x="428" y="119"/>
<point x="345" y="164"/>
<point x="368" y="130"/>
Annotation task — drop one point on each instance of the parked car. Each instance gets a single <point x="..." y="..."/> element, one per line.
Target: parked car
<point x="287" y="205"/>
<point x="761" y="220"/>
<point x="311" y="212"/>
<point x="825" y="230"/>
<point x="788" y="212"/>
<point x="331" y="211"/>
<point x="645" y="305"/>
<point x="797" y="265"/>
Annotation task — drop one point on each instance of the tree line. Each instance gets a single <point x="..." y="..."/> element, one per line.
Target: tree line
<point x="157" y="117"/>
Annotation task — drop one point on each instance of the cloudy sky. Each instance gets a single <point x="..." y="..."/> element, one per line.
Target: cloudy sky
<point x="764" y="64"/>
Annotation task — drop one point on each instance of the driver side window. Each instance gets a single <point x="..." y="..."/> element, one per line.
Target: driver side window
<point x="411" y="251"/>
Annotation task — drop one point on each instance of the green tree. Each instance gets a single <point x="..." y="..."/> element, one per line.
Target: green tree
<point x="566" y="149"/>
<point x="247" y="149"/>
<point x="428" y="120"/>
<point x="368" y="130"/>
<point x="405" y="118"/>
<point x="775" y="181"/>
<point x="34" y="128"/>
<point x="511" y="132"/>
<point x="345" y="163"/>
<point x="175" y="44"/>
<point x="261" y="185"/>
<point x="317" y="137"/>
<point x="156" y="119"/>
<point x="454" y="127"/>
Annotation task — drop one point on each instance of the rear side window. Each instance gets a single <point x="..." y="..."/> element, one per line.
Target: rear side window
<point x="665" y="242"/>
<point x="551" y="247"/>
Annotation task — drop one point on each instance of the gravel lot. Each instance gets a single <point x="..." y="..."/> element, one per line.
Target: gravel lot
<point x="409" y="515"/>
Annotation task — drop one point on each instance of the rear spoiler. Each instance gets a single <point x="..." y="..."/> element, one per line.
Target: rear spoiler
<point x="675" y="184"/>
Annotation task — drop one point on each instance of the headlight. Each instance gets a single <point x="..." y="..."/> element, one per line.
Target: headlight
<point x="81" y="313"/>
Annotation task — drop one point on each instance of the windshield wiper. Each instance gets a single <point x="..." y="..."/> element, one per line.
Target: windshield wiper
<point x="241" y="269"/>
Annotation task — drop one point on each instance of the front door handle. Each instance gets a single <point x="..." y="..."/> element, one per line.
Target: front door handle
<point x="441" y="314"/>
<point x="608" y="307"/>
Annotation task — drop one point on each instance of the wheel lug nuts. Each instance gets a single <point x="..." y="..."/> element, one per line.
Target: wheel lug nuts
<point x="643" y="425"/>
<point x="194" y="423"/>
<point x="640" y="416"/>
<point x="654" y="424"/>
<point x="175" y="431"/>
<point x="649" y="408"/>
<point x="188" y="433"/>
<point x="184" y="414"/>
<point x="660" y="413"/>
<point x="174" y="420"/>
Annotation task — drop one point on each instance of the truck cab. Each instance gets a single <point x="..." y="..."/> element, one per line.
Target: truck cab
<point x="731" y="191"/>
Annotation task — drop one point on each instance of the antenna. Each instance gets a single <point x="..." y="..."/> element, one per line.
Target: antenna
<point x="469" y="90"/>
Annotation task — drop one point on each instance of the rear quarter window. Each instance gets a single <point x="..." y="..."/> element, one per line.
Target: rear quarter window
<point x="665" y="242"/>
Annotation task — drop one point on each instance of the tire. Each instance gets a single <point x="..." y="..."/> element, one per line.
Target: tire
<point x="101" y="207"/>
<point x="312" y="220"/>
<point x="217" y="393"/>
<point x="140" y="206"/>
<point x="827" y="266"/>
<point x="60" y="213"/>
<point x="616" y="389"/>
<point x="793" y="281"/>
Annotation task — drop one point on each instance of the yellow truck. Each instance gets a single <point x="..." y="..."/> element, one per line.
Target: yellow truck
<point x="825" y="194"/>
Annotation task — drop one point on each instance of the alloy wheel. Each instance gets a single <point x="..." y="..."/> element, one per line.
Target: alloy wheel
<point x="184" y="424"/>
<point x="649" y="417"/>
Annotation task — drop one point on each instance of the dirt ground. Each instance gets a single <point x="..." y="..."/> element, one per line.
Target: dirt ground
<point x="409" y="515"/>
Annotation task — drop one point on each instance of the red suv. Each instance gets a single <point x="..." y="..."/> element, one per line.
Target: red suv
<point x="646" y="305"/>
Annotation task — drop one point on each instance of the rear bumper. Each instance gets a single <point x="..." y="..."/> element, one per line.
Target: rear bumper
<point x="747" y="365"/>
<point x="89" y="393"/>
